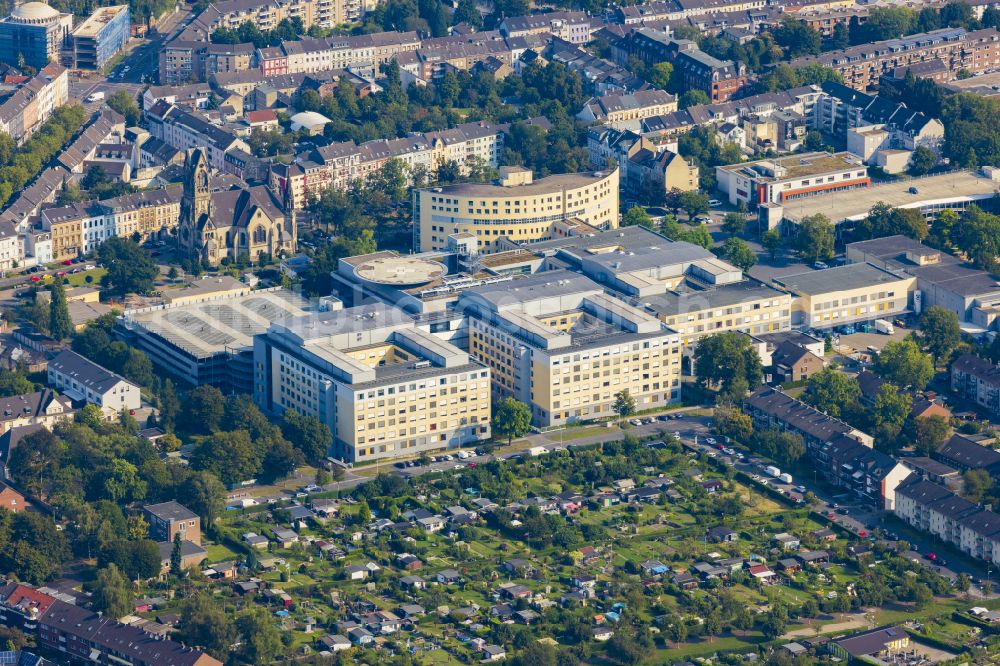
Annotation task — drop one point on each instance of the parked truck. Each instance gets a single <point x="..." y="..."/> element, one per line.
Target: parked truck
<point x="785" y="477"/>
<point x="537" y="450"/>
<point x="884" y="326"/>
<point x="773" y="471"/>
<point x="95" y="96"/>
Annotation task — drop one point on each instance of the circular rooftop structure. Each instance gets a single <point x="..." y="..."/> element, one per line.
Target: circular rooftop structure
<point x="34" y="13"/>
<point x="400" y="271"/>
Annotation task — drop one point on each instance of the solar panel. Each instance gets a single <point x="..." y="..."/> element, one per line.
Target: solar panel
<point x="8" y="657"/>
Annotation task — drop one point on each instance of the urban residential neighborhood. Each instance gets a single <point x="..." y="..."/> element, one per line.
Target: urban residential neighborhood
<point x="433" y="332"/>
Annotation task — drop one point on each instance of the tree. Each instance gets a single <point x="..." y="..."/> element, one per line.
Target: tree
<point x="940" y="332"/>
<point x="815" y="238"/>
<point x="923" y="160"/>
<point x="204" y="623"/>
<point x="636" y="216"/>
<point x="798" y="38"/>
<point x="261" y="638"/>
<point x="660" y="75"/>
<point x="729" y="361"/>
<point x="902" y="363"/>
<point x="204" y="408"/>
<point x="840" y="39"/>
<point x="930" y="432"/>
<point x="203" y="494"/>
<point x="890" y="410"/>
<point x="466" y="12"/>
<point x="60" y="324"/>
<point x="176" y="556"/>
<point x="694" y="203"/>
<point x="624" y="404"/>
<point x="122" y="482"/>
<point x="130" y="268"/>
<point x="511" y="418"/>
<point x="733" y="223"/>
<point x="693" y="97"/>
<point x="832" y="392"/>
<point x="785" y="447"/>
<point x="169" y="403"/>
<point x="732" y="422"/>
<point x="125" y="104"/>
<point x="772" y="242"/>
<point x="774" y="622"/>
<point x="364" y="513"/>
<point x="112" y="594"/>
<point x="307" y="434"/>
<point x="977" y="483"/>
<point x="739" y="253"/>
<point x="13" y="382"/>
<point x="884" y="220"/>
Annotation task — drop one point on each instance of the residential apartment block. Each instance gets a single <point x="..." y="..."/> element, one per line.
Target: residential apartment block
<point x="863" y="66"/>
<point x="841" y="453"/>
<point x="517" y="207"/>
<point x="934" y="509"/>
<point x="385" y="385"/>
<point x="85" y="636"/>
<point x="33" y="102"/>
<point x="558" y="343"/>
<point x="978" y="380"/>
<point x="338" y="165"/>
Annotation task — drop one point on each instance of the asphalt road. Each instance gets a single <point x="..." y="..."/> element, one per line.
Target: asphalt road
<point x="142" y="63"/>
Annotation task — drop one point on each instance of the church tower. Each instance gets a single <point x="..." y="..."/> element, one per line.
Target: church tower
<point x="196" y="202"/>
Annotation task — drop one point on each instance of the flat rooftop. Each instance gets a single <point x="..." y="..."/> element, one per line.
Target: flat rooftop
<point x="678" y="302"/>
<point x="839" y="278"/>
<point x="211" y="327"/>
<point x="984" y="84"/>
<point x="100" y="18"/>
<point x="807" y="164"/>
<point x="953" y="187"/>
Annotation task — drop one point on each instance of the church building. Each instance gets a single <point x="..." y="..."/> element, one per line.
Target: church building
<point x="216" y="223"/>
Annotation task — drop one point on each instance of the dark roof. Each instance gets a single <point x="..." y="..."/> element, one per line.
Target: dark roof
<point x="171" y="511"/>
<point x="798" y="415"/>
<point x="978" y="367"/>
<point x="870" y="642"/>
<point x="127" y="641"/>
<point x="964" y="452"/>
<point x="85" y="371"/>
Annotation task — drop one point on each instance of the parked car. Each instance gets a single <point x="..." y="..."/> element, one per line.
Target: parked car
<point x="714" y="203"/>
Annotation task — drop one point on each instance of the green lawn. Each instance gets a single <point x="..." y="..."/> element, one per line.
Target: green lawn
<point x="80" y="279"/>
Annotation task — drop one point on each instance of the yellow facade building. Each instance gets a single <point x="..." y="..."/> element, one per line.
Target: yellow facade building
<point x="517" y="208"/>
<point x="557" y="342"/>
<point x="847" y="294"/>
<point x="386" y="387"/>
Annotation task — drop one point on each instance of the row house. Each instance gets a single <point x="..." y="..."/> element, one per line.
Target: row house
<point x="81" y="227"/>
<point x="339" y="164"/>
<point x="934" y="509"/>
<point x="574" y="27"/>
<point x="188" y="129"/>
<point x="183" y="61"/>
<point x="863" y="66"/>
<point x="33" y="102"/>
<point x="312" y="54"/>
<point x="771" y="408"/>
